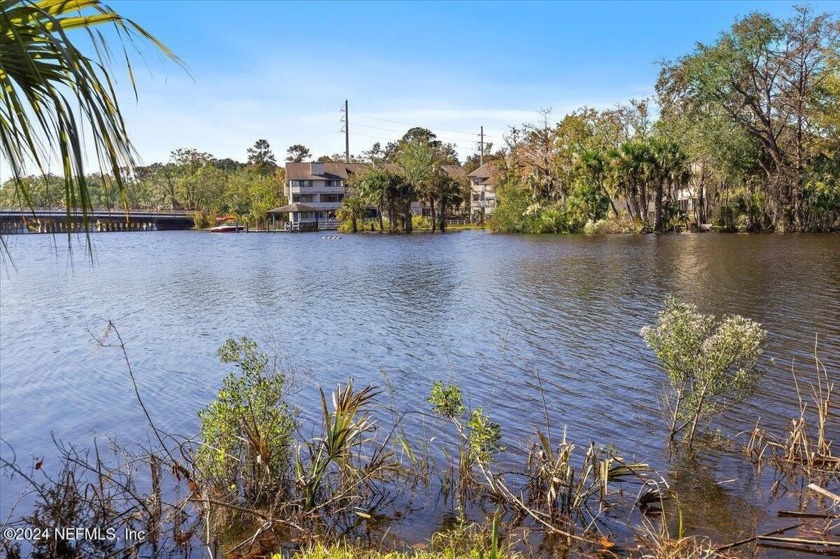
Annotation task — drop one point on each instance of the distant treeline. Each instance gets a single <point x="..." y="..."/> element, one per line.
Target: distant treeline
<point x="191" y="180"/>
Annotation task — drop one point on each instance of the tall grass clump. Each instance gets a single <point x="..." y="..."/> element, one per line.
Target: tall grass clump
<point x="710" y="363"/>
<point x="560" y="492"/>
<point x="336" y="466"/>
<point x="258" y="475"/>
<point x="806" y="445"/>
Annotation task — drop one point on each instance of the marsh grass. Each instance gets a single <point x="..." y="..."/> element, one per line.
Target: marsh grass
<point x="109" y="488"/>
<point x="805" y="448"/>
<point x="463" y="540"/>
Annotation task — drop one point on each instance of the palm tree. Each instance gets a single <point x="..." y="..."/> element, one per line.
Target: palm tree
<point x="55" y="97"/>
<point x="372" y="187"/>
<point x="630" y="168"/>
<point x="353" y="208"/>
<point x="593" y="167"/>
<point x="450" y="194"/>
<point x="419" y="160"/>
<point x="668" y="171"/>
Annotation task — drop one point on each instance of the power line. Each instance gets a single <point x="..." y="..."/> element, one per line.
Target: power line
<point x="477" y="139"/>
<point x="414" y="125"/>
<point x="402" y="133"/>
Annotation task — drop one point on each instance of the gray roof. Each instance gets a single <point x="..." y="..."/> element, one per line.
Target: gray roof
<point x="484" y="172"/>
<point x="455" y="171"/>
<point x="332" y="171"/>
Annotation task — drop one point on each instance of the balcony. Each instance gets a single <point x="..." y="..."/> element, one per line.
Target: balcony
<point x="316" y="186"/>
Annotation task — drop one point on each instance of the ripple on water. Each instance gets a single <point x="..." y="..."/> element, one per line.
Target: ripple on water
<point x="500" y="315"/>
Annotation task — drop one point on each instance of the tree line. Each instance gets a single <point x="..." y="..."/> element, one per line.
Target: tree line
<point x="744" y="132"/>
<point x="410" y="169"/>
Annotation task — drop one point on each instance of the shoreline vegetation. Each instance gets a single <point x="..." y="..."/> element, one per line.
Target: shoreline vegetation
<point x="257" y="481"/>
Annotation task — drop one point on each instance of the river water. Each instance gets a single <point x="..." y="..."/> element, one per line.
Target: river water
<point x="496" y="314"/>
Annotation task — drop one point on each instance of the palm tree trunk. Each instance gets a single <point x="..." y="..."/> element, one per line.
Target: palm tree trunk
<point x="407" y="225"/>
<point x="607" y="194"/>
<point x="392" y="217"/>
<point x="657" y="205"/>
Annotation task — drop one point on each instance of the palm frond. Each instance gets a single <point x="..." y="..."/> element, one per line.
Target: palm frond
<point x="54" y="96"/>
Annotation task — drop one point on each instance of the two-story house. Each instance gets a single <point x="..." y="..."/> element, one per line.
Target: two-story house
<point x="483" y="191"/>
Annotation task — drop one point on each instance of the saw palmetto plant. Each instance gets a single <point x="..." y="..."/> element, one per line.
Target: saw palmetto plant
<point x="58" y="102"/>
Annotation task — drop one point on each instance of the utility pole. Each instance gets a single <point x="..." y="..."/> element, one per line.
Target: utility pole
<point x="481" y="151"/>
<point x="346" y="131"/>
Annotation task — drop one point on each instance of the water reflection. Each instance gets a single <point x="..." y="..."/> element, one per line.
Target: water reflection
<point x="489" y="312"/>
<point x="712" y="500"/>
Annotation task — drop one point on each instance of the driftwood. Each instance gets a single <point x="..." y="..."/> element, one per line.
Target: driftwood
<point x="754" y="538"/>
<point x="796" y="514"/>
<point x="802" y="549"/>
<point x="799" y="541"/>
<point x="824" y="492"/>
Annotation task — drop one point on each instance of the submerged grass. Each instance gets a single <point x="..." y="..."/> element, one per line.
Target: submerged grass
<point x="805" y="448"/>
<point x="344" y="551"/>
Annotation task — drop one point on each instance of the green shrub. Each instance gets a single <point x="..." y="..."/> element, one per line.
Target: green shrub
<point x="513" y="202"/>
<point x="421" y="222"/>
<point x="613" y="225"/>
<point x="446" y="400"/>
<point x="202" y="220"/>
<point x="247" y="431"/>
<point x="484" y="438"/>
<point x="709" y="363"/>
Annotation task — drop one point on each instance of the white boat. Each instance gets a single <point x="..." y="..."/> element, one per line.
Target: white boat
<point x="227" y="224"/>
<point x="227" y="228"/>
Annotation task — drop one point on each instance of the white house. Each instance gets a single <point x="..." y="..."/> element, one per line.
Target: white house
<point x="483" y="190"/>
<point x="319" y="186"/>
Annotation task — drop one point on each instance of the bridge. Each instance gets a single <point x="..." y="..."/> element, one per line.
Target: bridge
<point x="52" y="220"/>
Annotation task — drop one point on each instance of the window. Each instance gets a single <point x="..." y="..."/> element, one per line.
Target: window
<point x="307" y="198"/>
<point x="332" y="197"/>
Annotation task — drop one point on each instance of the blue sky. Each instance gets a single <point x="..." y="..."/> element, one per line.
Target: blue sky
<point x="282" y="70"/>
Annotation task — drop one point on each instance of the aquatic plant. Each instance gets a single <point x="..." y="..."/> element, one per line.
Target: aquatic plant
<point x="246" y="432"/>
<point x="710" y="364"/>
<point x="806" y="445"/>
